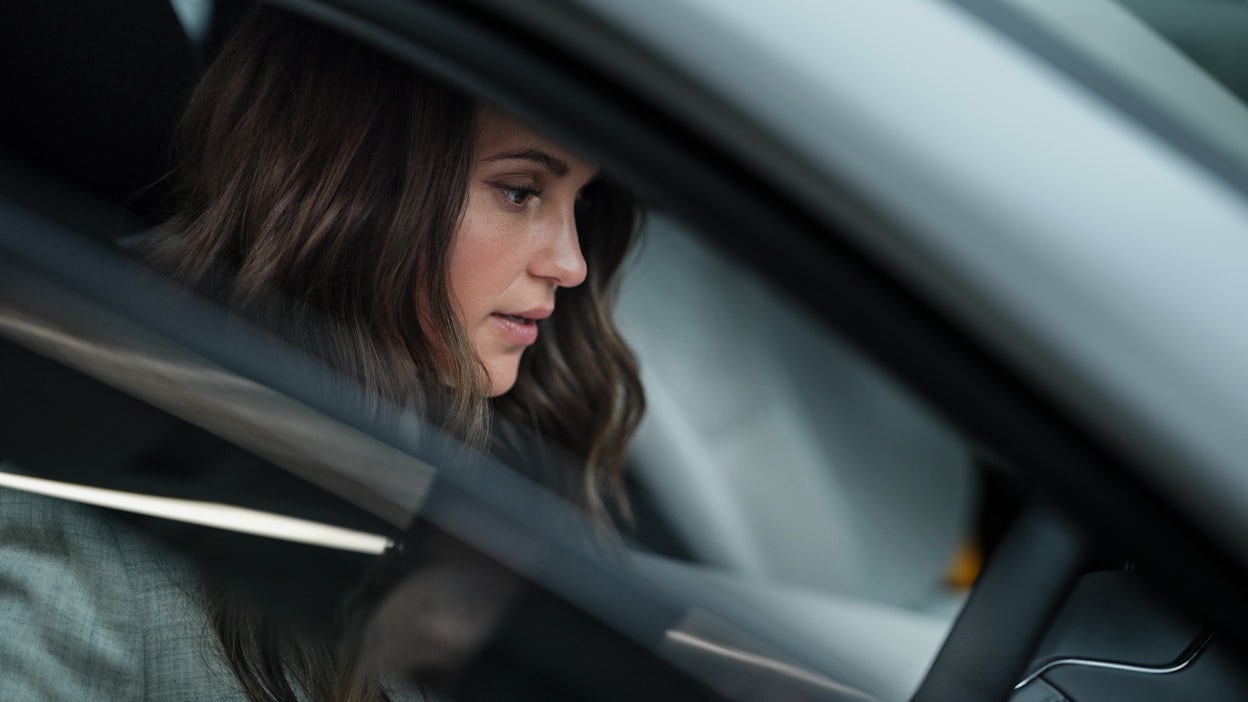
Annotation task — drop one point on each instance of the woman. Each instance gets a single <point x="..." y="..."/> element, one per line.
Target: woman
<point x="322" y="182"/>
<point x="443" y="255"/>
<point x="439" y="252"/>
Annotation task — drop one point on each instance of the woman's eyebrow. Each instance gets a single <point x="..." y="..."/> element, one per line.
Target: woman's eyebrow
<point x="552" y="163"/>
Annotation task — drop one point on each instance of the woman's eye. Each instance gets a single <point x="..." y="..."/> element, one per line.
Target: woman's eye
<point x="517" y="195"/>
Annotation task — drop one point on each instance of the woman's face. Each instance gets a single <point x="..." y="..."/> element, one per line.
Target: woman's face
<point x="517" y="243"/>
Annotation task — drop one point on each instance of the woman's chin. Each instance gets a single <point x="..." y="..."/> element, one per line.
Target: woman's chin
<point x="502" y="379"/>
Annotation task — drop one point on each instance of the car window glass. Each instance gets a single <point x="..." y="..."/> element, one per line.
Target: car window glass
<point x="775" y="455"/>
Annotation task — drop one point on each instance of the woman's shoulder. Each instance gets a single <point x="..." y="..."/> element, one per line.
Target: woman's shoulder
<point x="92" y="609"/>
<point x="51" y="538"/>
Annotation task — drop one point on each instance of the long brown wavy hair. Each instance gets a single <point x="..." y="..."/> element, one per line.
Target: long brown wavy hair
<point x="319" y="188"/>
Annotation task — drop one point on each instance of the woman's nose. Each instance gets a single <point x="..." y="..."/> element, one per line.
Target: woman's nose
<point x="560" y="259"/>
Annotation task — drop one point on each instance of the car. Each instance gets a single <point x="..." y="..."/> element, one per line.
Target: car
<point x="927" y="283"/>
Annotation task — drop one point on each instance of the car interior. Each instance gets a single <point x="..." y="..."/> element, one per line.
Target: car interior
<point x="779" y="473"/>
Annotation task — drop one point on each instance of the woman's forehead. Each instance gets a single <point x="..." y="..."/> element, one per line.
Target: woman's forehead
<point x="500" y="135"/>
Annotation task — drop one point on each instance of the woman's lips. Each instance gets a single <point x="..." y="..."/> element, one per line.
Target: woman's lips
<point x="518" y="330"/>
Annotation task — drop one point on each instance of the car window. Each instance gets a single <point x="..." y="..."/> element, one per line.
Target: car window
<point x="781" y="466"/>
